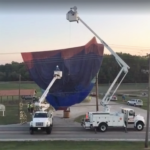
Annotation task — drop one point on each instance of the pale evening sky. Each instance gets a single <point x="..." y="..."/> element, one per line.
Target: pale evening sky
<point x="24" y="30"/>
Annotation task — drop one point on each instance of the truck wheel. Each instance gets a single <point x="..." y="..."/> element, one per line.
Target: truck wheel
<point x="139" y="126"/>
<point x="103" y="127"/>
<point x="31" y="131"/>
<point x="48" y="130"/>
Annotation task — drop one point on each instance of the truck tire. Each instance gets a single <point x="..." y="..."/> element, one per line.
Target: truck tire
<point x="139" y="126"/>
<point x="31" y="131"/>
<point x="48" y="130"/>
<point x="103" y="127"/>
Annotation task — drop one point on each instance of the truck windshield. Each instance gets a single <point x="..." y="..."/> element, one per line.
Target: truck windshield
<point x="131" y="113"/>
<point x="40" y="115"/>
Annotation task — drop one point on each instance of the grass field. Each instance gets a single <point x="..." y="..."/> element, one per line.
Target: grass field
<point x="70" y="145"/>
<point x="12" y="115"/>
<point x="79" y="118"/>
<point x="125" y="86"/>
<point x="87" y="99"/>
<point x="31" y="85"/>
<point x="102" y="87"/>
<point x="15" y="85"/>
<point x="23" y="85"/>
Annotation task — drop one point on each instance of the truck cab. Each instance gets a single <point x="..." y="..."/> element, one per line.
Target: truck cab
<point x="42" y="121"/>
<point x="129" y="115"/>
<point x="131" y="118"/>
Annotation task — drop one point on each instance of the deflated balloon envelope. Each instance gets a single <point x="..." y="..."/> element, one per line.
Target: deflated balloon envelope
<point x="79" y="66"/>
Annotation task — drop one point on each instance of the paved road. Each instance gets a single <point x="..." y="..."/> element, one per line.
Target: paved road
<point x="21" y="133"/>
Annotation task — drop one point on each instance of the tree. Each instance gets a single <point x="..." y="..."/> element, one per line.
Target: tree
<point x="108" y="71"/>
<point x="2" y="76"/>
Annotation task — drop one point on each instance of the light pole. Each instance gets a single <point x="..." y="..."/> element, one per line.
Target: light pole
<point x="148" y="103"/>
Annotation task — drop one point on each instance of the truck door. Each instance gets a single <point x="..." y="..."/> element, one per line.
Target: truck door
<point x="131" y="115"/>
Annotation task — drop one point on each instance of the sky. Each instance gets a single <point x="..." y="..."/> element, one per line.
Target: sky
<point x="39" y="26"/>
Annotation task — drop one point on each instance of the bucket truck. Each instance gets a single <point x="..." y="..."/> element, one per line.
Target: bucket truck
<point x="43" y="119"/>
<point x="103" y="120"/>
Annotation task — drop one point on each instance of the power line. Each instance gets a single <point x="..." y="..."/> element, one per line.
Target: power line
<point x="14" y="53"/>
<point x="52" y="60"/>
<point x="114" y="45"/>
<point x="130" y="46"/>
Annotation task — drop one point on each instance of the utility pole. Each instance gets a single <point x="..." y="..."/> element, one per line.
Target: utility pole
<point x="19" y="94"/>
<point x="19" y="85"/>
<point x="97" y="109"/>
<point x="148" y="103"/>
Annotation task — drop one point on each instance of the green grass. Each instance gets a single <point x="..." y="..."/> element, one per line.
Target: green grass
<point x="15" y="85"/>
<point x="12" y="112"/>
<point x="87" y="99"/>
<point x="79" y="118"/>
<point x="72" y="145"/>
<point x="12" y="115"/>
<point x="124" y="86"/>
<point x="102" y="87"/>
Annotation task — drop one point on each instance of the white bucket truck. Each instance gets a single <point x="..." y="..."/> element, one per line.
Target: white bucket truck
<point x="102" y="120"/>
<point x="43" y="119"/>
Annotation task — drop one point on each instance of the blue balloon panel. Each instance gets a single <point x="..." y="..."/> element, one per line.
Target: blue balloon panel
<point x="79" y="66"/>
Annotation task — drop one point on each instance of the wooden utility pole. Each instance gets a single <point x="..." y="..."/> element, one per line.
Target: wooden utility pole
<point x="148" y="107"/>
<point x="19" y="95"/>
<point x="19" y="86"/>
<point x="97" y="109"/>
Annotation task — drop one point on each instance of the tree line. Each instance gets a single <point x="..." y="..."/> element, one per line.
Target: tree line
<point x="108" y="71"/>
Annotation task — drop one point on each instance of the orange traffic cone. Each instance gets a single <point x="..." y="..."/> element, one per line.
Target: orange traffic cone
<point x="86" y="116"/>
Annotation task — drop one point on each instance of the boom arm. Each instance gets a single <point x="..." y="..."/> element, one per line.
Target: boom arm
<point x="57" y="75"/>
<point x="72" y="16"/>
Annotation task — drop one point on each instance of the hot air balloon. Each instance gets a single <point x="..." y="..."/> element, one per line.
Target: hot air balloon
<point x="79" y="66"/>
